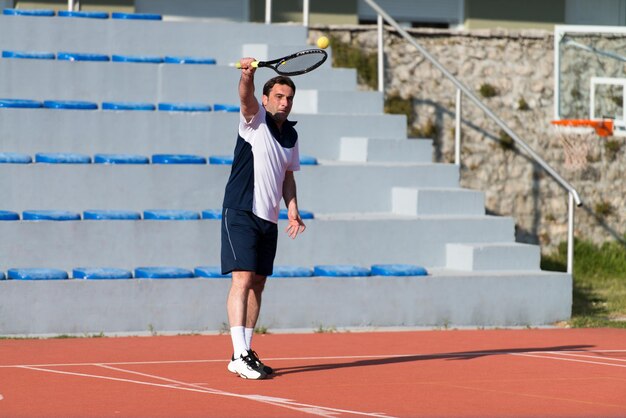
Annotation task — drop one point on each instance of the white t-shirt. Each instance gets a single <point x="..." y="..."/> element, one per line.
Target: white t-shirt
<point x="265" y="154"/>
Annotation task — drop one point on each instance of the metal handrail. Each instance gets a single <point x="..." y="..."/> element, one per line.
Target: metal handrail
<point x="573" y="194"/>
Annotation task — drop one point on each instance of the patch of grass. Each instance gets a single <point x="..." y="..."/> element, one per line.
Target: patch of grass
<point x="324" y="330"/>
<point x="396" y="105"/>
<point x="348" y="56"/>
<point x="522" y="104"/>
<point x="261" y="330"/>
<point x="487" y="90"/>
<point x="612" y="148"/>
<point x="603" y="209"/>
<point x="599" y="295"/>
<point x="505" y="141"/>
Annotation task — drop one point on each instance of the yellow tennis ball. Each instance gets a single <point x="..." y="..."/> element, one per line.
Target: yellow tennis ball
<point x="322" y="42"/>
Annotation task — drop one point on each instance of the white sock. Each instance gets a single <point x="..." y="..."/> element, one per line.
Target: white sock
<point x="237" y="335"/>
<point x="249" y="332"/>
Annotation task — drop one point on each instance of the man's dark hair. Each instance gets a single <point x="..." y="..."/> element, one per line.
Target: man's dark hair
<point x="281" y="79"/>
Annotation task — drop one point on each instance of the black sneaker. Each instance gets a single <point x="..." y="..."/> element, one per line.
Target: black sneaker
<point x="266" y="369"/>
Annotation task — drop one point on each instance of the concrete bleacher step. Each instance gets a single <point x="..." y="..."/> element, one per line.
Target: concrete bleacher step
<point x="113" y="81"/>
<point x="342" y="102"/>
<point x="102" y="131"/>
<point x="321" y="188"/>
<point x="144" y="306"/>
<point x="364" y="149"/>
<point x="348" y="239"/>
<point x="221" y="40"/>
<point x="437" y="201"/>
<point x="496" y="256"/>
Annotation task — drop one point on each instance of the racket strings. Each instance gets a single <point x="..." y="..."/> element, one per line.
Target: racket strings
<point x="301" y="63"/>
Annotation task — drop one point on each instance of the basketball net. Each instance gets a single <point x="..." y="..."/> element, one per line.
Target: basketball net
<point x="578" y="137"/>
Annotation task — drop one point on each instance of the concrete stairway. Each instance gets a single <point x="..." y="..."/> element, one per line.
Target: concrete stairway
<point x="376" y="195"/>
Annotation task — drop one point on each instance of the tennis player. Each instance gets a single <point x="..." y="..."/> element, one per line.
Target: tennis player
<point x="266" y="155"/>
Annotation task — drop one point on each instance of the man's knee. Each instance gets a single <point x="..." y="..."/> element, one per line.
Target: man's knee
<point x="258" y="284"/>
<point x="243" y="279"/>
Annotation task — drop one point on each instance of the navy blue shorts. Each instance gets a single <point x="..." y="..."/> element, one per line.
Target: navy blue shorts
<point x="248" y="242"/>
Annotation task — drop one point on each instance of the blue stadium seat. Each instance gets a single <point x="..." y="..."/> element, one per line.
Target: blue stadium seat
<point x="307" y="160"/>
<point x="36" y="274"/>
<point x="120" y="159"/>
<point x="112" y="215"/>
<point x="28" y="55"/>
<point x="282" y="214"/>
<point x="163" y="273"/>
<point x="136" y="16"/>
<point x="101" y="273"/>
<point x="219" y="107"/>
<point x="221" y="159"/>
<point x="170" y="215"/>
<point x="20" y="103"/>
<point x="184" y="107"/>
<point x="212" y="214"/>
<point x="212" y="272"/>
<point x="70" y="104"/>
<point x="2" y="275"/>
<point x="189" y="60"/>
<point x="398" y="270"/>
<point x="7" y="215"/>
<point x="340" y="270"/>
<point x="62" y="158"/>
<point x="177" y="159"/>
<point x="228" y="159"/>
<point x="15" y="158"/>
<point x="142" y="59"/>
<point x="128" y="106"/>
<point x="81" y="56"/>
<point x="50" y="215"/>
<point x="84" y="14"/>
<point x="291" y="271"/>
<point x="28" y="12"/>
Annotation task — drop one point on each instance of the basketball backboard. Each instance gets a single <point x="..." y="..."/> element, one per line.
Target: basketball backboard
<point x="590" y="73"/>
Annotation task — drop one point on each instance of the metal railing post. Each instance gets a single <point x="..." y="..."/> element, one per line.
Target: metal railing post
<point x="381" y="55"/>
<point x="305" y="13"/>
<point x="570" y="233"/>
<point x="457" y="128"/>
<point x="268" y="12"/>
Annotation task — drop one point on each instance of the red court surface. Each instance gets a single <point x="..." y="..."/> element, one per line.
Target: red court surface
<point x="456" y="373"/>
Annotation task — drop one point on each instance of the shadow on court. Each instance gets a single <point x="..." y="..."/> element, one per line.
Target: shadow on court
<point x="465" y="355"/>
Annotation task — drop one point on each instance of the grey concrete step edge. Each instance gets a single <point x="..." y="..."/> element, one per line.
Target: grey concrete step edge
<point x="197" y="305"/>
<point x="118" y="36"/>
<point x="492" y="256"/>
<point x="321" y="189"/>
<point x="99" y="82"/>
<point x="364" y="149"/>
<point x="437" y="201"/>
<point x="131" y="244"/>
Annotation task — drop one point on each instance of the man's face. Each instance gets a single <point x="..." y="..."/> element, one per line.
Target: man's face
<point x="279" y="102"/>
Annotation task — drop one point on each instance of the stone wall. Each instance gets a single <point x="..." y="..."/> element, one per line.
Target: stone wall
<point x="519" y="65"/>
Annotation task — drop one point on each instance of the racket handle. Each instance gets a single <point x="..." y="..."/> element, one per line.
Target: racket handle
<point x="254" y="64"/>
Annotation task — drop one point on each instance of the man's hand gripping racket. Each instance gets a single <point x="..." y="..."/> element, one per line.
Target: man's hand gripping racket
<point x="295" y="64"/>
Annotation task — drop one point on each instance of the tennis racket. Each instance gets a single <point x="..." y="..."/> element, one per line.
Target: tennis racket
<point x="295" y="64"/>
